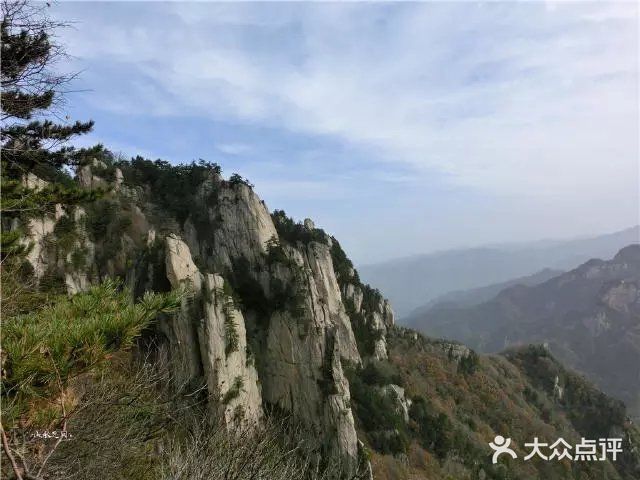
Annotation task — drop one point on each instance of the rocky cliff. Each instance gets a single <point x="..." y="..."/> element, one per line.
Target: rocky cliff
<point x="273" y="311"/>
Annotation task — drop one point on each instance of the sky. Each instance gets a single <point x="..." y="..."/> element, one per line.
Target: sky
<point x="400" y="128"/>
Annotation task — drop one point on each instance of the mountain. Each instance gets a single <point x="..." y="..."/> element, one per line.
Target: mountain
<point x="474" y="296"/>
<point x="272" y="308"/>
<point x="589" y="317"/>
<point x="275" y="360"/>
<point x="460" y="401"/>
<point x="411" y="282"/>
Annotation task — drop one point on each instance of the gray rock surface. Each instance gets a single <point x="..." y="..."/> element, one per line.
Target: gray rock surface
<point x="202" y="345"/>
<point x="289" y="353"/>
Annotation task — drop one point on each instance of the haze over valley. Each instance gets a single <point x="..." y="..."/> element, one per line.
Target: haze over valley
<point x="413" y="282"/>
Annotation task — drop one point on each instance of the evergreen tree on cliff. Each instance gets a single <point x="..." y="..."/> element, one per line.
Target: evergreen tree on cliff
<point x="49" y="339"/>
<point x="32" y="143"/>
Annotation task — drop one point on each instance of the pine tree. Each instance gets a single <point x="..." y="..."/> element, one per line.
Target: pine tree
<point x="33" y="144"/>
<point x="49" y="339"/>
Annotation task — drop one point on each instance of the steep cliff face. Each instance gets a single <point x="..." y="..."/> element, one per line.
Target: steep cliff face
<point x="264" y="322"/>
<point x="298" y="325"/>
<point x="372" y="317"/>
<point x="209" y="337"/>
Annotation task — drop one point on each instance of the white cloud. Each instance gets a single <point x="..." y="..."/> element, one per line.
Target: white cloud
<point x="539" y="91"/>
<point x="510" y="99"/>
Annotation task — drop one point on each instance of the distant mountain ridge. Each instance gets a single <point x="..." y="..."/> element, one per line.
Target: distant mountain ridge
<point x="475" y="296"/>
<point x="412" y="282"/>
<point x="589" y="317"/>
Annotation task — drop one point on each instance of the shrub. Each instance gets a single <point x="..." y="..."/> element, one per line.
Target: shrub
<point x="380" y="373"/>
<point x="275" y="450"/>
<point x="293" y="232"/>
<point x="468" y="364"/>
<point x="248" y="290"/>
<point x="172" y="187"/>
<point x="131" y="424"/>
<point x="119" y="419"/>
<point x="291" y="295"/>
<point x="389" y="441"/>
<point x="366" y="336"/>
<point x="100" y="215"/>
<point x="106" y="224"/>
<point x="236" y="179"/>
<point x="234" y="390"/>
<point x="105" y="170"/>
<point x="432" y="429"/>
<point x="342" y="266"/>
<point x="288" y="295"/>
<point x="327" y="382"/>
<point x="65" y="234"/>
<point x="46" y="348"/>
<point x="275" y="252"/>
<point x="591" y="412"/>
<point x="377" y="414"/>
<point x="371" y="298"/>
<point x="231" y="337"/>
<point x="79" y="259"/>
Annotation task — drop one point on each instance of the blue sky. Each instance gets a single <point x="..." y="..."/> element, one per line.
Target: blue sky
<point x="401" y="128"/>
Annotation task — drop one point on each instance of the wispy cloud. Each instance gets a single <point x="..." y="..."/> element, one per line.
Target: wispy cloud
<point x="523" y="100"/>
<point x="234" y="148"/>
